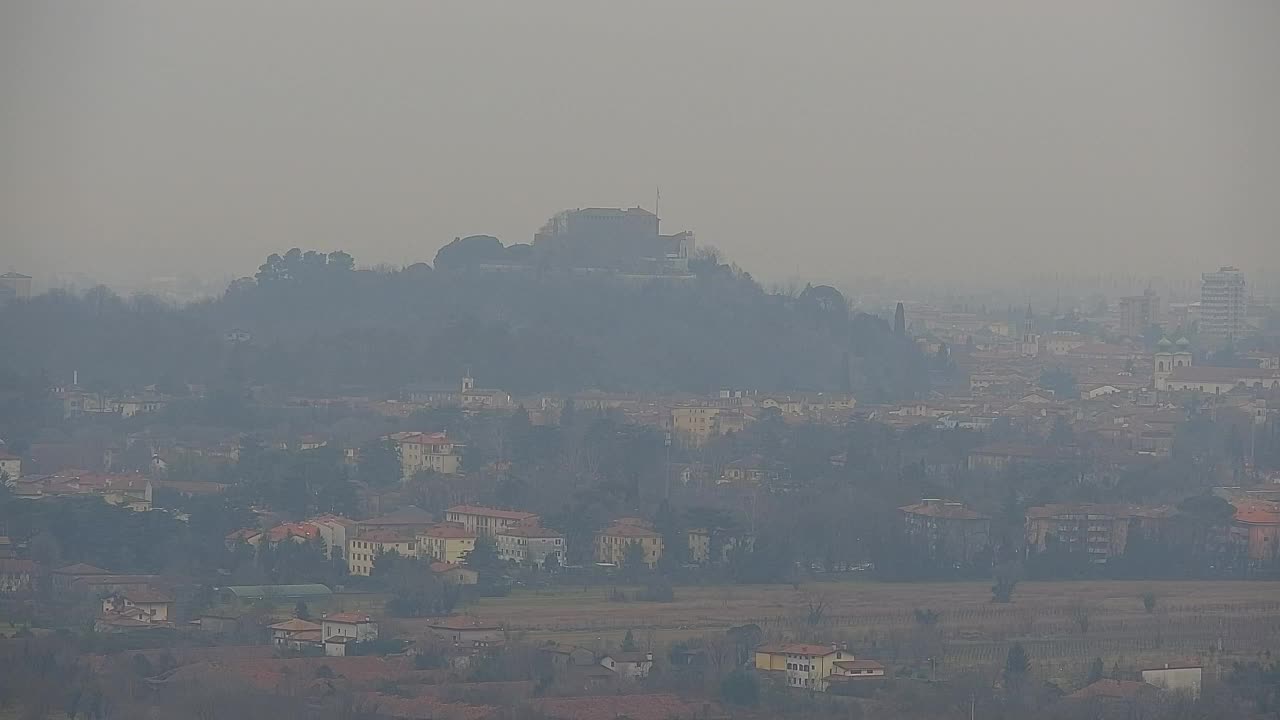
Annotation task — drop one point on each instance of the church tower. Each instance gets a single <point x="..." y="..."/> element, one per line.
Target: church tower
<point x="1162" y="362"/>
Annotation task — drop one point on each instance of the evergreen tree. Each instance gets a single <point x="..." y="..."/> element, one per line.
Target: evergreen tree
<point x="629" y="642"/>
<point x="1017" y="665"/>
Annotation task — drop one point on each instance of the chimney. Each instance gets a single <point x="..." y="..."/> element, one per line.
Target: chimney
<point x="648" y="657"/>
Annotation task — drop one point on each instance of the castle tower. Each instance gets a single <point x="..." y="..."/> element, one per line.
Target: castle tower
<point x="468" y="382"/>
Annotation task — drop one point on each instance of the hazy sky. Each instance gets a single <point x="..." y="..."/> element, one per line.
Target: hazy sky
<point x="828" y="139"/>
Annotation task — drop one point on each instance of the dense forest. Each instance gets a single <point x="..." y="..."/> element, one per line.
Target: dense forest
<point x="318" y="324"/>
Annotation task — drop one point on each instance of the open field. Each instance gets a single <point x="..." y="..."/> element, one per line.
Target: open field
<point x="1062" y="624"/>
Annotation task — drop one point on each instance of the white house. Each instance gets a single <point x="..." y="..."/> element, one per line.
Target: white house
<point x="1178" y="678"/>
<point x="356" y="626"/>
<point x="629" y="665"/>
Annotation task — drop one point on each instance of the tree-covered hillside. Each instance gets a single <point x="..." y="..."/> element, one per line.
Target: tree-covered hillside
<point x="318" y="324"/>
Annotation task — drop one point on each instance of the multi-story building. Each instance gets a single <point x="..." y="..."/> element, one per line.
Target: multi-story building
<point x="446" y="542"/>
<point x="613" y="541"/>
<point x="694" y="425"/>
<point x="408" y="520"/>
<point x="812" y="667"/>
<point x="1138" y="313"/>
<point x="946" y="532"/>
<point x="1102" y="531"/>
<point x="334" y="531"/>
<point x="433" y="452"/>
<point x="531" y="545"/>
<point x="364" y="549"/>
<point x="1223" y="304"/>
<point x="488" y="521"/>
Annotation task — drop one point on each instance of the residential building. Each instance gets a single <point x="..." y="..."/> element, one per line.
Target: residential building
<point x="408" y="520"/>
<point x="129" y="491"/>
<point x="1138" y="313"/>
<point x="467" y="631"/>
<point x="1186" y="679"/>
<point x="145" y="604"/>
<point x="1102" y="531"/>
<point x="15" y="285"/>
<point x="10" y="467"/>
<point x="562" y="656"/>
<point x="357" y="626"/>
<point x="804" y="666"/>
<point x="334" y="531"/>
<point x="1223" y="304"/>
<point x="752" y="469"/>
<point x="454" y="574"/>
<point x="488" y="521"/>
<point x="531" y="545"/>
<point x="628" y="665"/>
<point x="613" y="541"/>
<point x="295" y="634"/>
<point x="446" y="542"/>
<point x="297" y="533"/>
<point x="433" y="452"/>
<point x="694" y="425"/>
<point x="946" y="532"/>
<point x="856" y="670"/>
<point x="64" y="577"/>
<point x="364" y="549"/>
<point x="1256" y="528"/>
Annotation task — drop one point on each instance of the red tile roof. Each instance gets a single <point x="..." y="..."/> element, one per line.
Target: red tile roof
<point x="14" y="566"/>
<point x="798" y="649"/>
<point x="1113" y="690"/>
<point x="448" y="530"/>
<point x="481" y="510"/>
<point x="630" y="531"/>
<point x="295" y="625"/>
<point x="531" y="532"/>
<point x="81" y="569"/>
<point x="349" y="618"/>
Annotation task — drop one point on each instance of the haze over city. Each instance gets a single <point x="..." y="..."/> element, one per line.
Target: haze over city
<point x="829" y="141"/>
<point x="428" y="360"/>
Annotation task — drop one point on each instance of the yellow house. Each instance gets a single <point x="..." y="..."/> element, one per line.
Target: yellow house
<point x="427" y="451"/>
<point x="446" y="542"/>
<point x="612" y="543"/>
<point x="364" y="548"/>
<point x="693" y="425"/>
<point x="805" y="666"/>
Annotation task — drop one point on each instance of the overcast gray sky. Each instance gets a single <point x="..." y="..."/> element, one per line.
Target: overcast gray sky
<point x="831" y="139"/>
